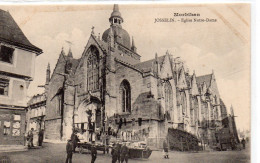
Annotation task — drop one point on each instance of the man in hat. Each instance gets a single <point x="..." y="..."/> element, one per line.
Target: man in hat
<point x="118" y="151"/>
<point x="114" y="153"/>
<point x="243" y="143"/>
<point x="74" y="139"/>
<point x="40" y="138"/>
<point x="30" y="138"/>
<point x="69" y="149"/>
<point x="124" y="153"/>
<point x="93" y="152"/>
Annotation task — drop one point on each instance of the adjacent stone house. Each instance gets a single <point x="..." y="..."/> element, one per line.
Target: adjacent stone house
<point x="17" y="63"/>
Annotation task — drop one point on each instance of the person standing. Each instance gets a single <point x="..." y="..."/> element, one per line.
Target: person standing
<point x="30" y="138"/>
<point x="114" y="153"/>
<point x="69" y="149"/>
<point x="165" y="150"/>
<point x="124" y="153"/>
<point x="243" y="143"/>
<point x="93" y="152"/>
<point x="118" y="152"/>
<point x="40" y="138"/>
<point x="75" y="140"/>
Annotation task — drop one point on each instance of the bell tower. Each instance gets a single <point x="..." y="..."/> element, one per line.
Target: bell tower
<point x="116" y="18"/>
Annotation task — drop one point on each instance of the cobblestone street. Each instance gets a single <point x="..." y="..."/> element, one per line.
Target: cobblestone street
<point x="55" y="153"/>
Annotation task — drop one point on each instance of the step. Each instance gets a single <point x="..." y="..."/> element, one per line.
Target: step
<point x="12" y="148"/>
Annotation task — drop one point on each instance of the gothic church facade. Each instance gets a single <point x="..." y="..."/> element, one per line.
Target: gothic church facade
<point x="109" y="90"/>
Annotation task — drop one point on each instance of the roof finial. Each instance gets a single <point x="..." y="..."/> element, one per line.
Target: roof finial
<point x="48" y="66"/>
<point x="70" y="53"/>
<point x="167" y="52"/>
<point x="62" y="51"/>
<point x="116" y="8"/>
<point x="92" y="32"/>
<point x="231" y="110"/>
<point x="133" y="45"/>
<point x="48" y="74"/>
<point x="133" y="42"/>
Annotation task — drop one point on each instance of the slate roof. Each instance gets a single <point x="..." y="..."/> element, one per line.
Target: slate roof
<point x="146" y="65"/>
<point x="11" y="33"/>
<point x="223" y="108"/>
<point x="204" y="78"/>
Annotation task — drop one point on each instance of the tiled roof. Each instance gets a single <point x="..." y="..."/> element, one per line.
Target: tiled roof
<point x="204" y="78"/>
<point x="146" y="65"/>
<point x="11" y="33"/>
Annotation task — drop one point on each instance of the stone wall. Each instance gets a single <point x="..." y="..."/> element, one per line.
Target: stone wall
<point x="52" y="89"/>
<point x="52" y="129"/>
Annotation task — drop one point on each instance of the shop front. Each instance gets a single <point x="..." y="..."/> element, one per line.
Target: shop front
<point x="12" y="130"/>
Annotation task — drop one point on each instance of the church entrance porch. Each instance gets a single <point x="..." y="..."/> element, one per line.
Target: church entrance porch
<point x="87" y="120"/>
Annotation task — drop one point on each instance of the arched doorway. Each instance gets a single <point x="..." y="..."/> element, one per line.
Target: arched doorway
<point x="87" y="118"/>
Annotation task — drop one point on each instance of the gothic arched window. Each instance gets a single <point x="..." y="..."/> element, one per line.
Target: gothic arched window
<point x="93" y="68"/>
<point x="125" y="94"/>
<point x="168" y="96"/>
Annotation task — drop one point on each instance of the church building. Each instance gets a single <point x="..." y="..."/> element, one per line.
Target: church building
<point x="109" y="91"/>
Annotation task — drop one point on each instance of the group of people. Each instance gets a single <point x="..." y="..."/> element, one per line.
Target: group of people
<point x="120" y="153"/>
<point x="30" y="136"/>
<point x="71" y="147"/>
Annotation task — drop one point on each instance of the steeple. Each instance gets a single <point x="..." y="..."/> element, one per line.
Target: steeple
<point x="231" y="111"/>
<point x="48" y="74"/>
<point x="121" y="36"/>
<point x="156" y="65"/>
<point x="70" y="54"/>
<point x="62" y="51"/>
<point x="115" y="18"/>
<point x="133" y="45"/>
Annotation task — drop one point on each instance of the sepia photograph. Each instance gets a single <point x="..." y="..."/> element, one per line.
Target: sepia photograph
<point x="144" y="83"/>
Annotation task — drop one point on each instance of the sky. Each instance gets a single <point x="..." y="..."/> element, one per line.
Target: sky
<point x="222" y="46"/>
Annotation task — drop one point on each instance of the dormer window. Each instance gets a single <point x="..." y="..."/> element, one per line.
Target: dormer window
<point x="6" y="54"/>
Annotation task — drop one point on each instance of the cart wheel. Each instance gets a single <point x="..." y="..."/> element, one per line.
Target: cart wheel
<point x="80" y="150"/>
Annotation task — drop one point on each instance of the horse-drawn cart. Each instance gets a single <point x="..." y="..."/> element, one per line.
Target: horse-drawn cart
<point x="139" y="150"/>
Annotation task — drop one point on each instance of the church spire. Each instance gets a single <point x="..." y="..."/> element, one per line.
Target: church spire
<point x="133" y="45"/>
<point x="48" y="74"/>
<point x="231" y="111"/>
<point x="62" y="51"/>
<point x="116" y="18"/>
<point x="70" y="54"/>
